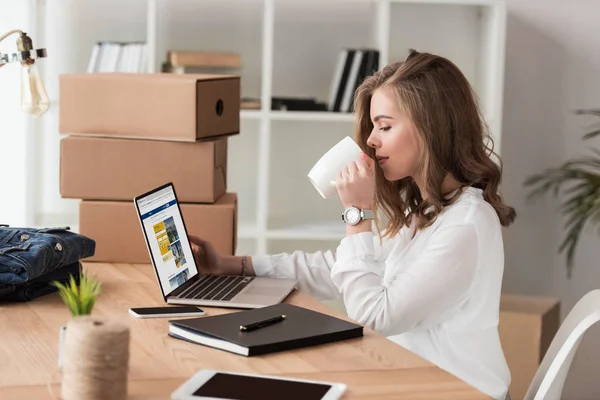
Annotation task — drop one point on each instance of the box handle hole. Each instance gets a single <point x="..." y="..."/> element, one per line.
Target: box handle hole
<point x="219" y="107"/>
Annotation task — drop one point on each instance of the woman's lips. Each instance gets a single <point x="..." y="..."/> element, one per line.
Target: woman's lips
<point x="382" y="160"/>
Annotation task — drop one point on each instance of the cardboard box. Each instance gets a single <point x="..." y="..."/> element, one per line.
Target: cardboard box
<point x="527" y="326"/>
<point x="159" y="106"/>
<point x="115" y="227"/>
<point x="120" y="169"/>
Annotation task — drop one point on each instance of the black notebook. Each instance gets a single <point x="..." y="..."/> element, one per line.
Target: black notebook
<point x="301" y="327"/>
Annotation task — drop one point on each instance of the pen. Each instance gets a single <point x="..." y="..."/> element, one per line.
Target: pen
<point x="261" y="324"/>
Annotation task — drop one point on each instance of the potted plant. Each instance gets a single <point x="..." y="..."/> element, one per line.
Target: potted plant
<point x="579" y="181"/>
<point x="79" y="299"/>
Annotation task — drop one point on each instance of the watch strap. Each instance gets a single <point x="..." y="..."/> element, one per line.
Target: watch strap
<point x="367" y="214"/>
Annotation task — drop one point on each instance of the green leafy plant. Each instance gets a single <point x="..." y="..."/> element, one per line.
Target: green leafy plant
<point x="79" y="300"/>
<point x="578" y="180"/>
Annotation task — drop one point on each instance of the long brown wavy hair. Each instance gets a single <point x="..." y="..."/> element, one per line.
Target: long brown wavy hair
<point x="454" y="139"/>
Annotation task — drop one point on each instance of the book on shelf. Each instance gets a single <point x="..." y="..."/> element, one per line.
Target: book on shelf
<point x="108" y="56"/>
<point x="186" y="62"/>
<point x="299" y="327"/>
<point x="203" y="59"/>
<point x="285" y="104"/>
<point x="279" y="103"/>
<point x="250" y="103"/>
<point x="353" y="66"/>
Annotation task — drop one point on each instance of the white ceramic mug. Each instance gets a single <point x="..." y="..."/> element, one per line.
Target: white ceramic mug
<point x="325" y="171"/>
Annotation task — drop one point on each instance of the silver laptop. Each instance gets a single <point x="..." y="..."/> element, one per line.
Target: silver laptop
<point x="178" y="277"/>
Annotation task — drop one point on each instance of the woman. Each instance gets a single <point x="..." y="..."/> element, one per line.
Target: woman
<point x="432" y="280"/>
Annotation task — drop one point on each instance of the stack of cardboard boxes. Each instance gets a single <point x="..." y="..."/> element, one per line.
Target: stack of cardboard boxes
<point x="130" y="133"/>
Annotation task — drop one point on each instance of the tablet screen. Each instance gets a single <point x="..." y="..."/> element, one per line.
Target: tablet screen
<point x="239" y="387"/>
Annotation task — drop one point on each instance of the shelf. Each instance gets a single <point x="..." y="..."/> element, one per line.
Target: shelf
<point x="311" y="116"/>
<point x="250" y="114"/>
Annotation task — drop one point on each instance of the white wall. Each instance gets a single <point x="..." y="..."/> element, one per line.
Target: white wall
<point x="553" y="68"/>
<point x="17" y="160"/>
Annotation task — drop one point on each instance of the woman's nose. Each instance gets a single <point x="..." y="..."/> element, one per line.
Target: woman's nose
<point x="371" y="141"/>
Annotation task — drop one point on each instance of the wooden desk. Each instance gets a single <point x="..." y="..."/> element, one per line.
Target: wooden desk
<point x="372" y="366"/>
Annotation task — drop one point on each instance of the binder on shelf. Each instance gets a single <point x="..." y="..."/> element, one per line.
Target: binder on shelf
<point x="369" y="64"/>
<point x="340" y="84"/>
<point x="337" y="78"/>
<point x="301" y="327"/>
<point x="352" y="67"/>
<point x="351" y="82"/>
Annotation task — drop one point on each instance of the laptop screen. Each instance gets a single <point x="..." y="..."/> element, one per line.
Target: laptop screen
<point x="169" y="246"/>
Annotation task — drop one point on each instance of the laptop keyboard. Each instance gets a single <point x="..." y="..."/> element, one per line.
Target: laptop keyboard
<point x="217" y="288"/>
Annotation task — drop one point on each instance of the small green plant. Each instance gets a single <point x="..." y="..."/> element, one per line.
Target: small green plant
<point x="79" y="300"/>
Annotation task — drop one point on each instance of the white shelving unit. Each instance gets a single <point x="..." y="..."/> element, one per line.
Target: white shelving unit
<point x="289" y="48"/>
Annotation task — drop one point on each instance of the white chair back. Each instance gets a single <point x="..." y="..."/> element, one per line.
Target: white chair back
<point x="548" y="382"/>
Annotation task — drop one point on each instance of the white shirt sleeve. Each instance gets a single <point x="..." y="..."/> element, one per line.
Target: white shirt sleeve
<point x="311" y="270"/>
<point x="435" y="283"/>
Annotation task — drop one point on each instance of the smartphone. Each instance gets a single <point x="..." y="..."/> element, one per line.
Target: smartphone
<point x="166" y="311"/>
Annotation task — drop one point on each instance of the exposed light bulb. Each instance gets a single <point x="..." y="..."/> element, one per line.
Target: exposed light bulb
<point x="34" y="99"/>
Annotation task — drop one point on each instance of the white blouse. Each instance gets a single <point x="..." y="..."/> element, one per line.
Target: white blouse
<point x="437" y="294"/>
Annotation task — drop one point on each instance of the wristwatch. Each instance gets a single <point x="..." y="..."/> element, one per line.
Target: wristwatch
<point x="353" y="215"/>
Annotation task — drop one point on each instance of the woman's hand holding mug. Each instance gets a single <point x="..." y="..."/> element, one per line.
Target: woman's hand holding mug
<point x="356" y="183"/>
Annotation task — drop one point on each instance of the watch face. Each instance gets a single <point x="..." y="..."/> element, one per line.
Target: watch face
<point x="352" y="215"/>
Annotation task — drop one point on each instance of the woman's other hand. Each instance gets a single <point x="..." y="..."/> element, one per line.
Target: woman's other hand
<point x="208" y="260"/>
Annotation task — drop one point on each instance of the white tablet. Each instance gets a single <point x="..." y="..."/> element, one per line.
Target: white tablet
<point x="220" y="385"/>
